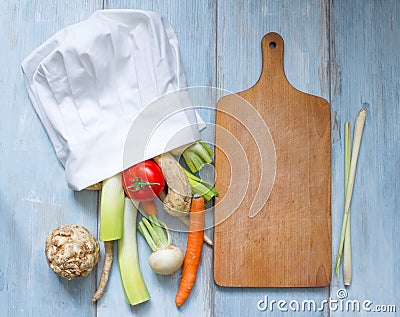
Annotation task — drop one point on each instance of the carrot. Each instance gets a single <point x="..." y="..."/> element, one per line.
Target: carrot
<point x="193" y="250"/>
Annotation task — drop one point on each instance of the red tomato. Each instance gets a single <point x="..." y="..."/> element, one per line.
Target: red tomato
<point x="143" y="181"/>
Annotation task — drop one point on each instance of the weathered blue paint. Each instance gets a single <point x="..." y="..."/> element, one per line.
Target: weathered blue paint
<point x="344" y="51"/>
<point x="365" y="63"/>
<point x="34" y="197"/>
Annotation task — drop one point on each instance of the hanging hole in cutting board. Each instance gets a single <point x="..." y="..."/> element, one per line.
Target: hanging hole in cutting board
<point x="272" y="44"/>
<point x="302" y="184"/>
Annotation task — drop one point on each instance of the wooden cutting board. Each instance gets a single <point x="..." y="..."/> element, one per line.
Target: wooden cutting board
<point x="273" y="172"/>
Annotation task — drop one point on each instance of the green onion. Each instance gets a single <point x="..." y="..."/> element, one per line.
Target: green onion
<point x="131" y="277"/>
<point x="112" y="209"/>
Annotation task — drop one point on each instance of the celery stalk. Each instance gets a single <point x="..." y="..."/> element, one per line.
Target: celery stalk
<point x="189" y="162"/>
<point x="199" y="149"/>
<point x="112" y="209"/>
<point x="196" y="155"/>
<point x="201" y="187"/>
<point x="196" y="179"/>
<point x="207" y="148"/>
<point x="131" y="277"/>
<point x="194" y="161"/>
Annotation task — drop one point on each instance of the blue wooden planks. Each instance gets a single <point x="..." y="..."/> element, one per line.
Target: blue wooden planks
<point x="34" y="197"/>
<point x="365" y="74"/>
<point x="344" y="51"/>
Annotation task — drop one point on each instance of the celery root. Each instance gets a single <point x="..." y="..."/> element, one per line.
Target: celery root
<point x="177" y="201"/>
<point x="108" y="260"/>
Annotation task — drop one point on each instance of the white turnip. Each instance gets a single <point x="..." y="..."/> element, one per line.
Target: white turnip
<point x="166" y="258"/>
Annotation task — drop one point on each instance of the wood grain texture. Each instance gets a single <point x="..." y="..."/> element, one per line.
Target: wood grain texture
<point x="34" y="197"/>
<point x="365" y="74"/>
<point x="304" y="26"/>
<point x="292" y="224"/>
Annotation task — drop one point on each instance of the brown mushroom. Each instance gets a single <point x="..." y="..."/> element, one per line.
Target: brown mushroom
<point x="72" y="251"/>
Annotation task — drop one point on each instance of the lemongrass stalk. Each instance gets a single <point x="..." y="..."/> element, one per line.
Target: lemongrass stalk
<point x="347" y="158"/>
<point x="358" y="131"/>
<point x="131" y="277"/>
<point x="347" y="256"/>
<point x="112" y="209"/>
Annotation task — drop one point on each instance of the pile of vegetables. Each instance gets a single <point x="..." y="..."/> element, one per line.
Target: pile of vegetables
<point x="183" y="195"/>
<point x="72" y="251"/>
<point x="140" y="185"/>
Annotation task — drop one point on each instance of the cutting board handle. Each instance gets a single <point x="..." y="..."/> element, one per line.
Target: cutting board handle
<point x="272" y="60"/>
<point x="273" y="136"/>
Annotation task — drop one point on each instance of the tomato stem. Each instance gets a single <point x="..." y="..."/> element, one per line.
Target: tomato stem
<point x="140" y="184"/>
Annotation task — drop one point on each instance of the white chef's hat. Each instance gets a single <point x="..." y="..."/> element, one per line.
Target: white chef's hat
<point x="90" y="81"/>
